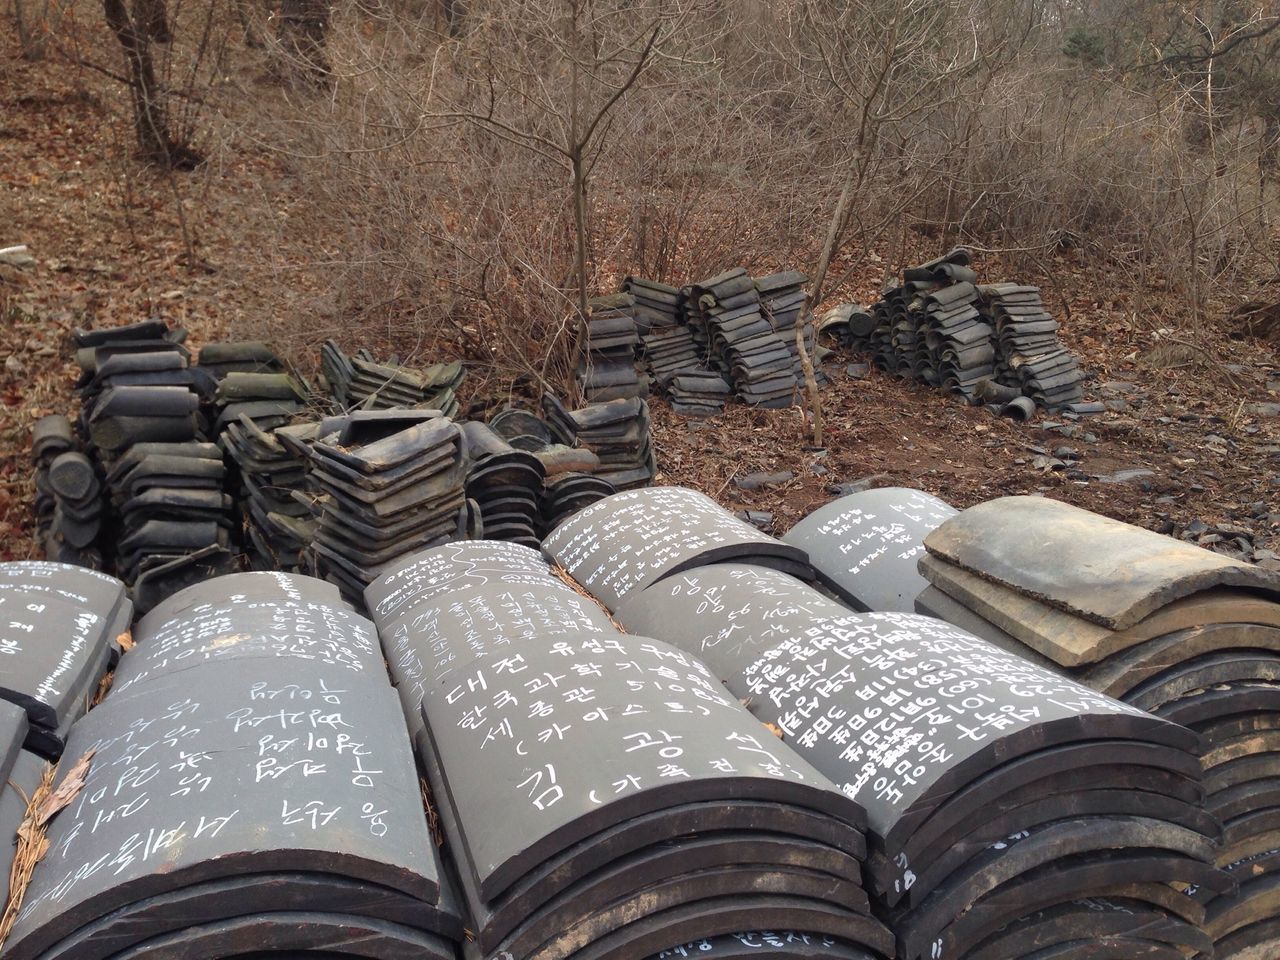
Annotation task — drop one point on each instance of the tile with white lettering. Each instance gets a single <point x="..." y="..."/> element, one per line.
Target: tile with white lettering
<point x="865" y="546"/>
<point x="49" y="646"/>
<point x="239" y="627"/>
<point x="629" y="540"/>
<point x="565" y="737"/>
<point x="245" y="766"/>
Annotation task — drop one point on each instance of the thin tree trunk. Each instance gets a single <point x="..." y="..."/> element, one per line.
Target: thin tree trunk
<point x="304" y="28"/>
<point x="154" y="18"/>
<point x="31" y="35"/>
<point x="1269" y="155"/>
<point x="150" y="118"/>
<point x="247" y="12"/>
<point x="580" y="228"/>
<point x="834" y="230"/>
<point x="455" y="13"/>
<point x="576" y="163"/>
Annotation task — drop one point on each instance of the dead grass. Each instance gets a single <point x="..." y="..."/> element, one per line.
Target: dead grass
<point x="32" y="839"/>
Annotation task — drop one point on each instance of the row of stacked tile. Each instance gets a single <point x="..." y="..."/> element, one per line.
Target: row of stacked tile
<point x="905" y="789"/>
<point x="180" y="469"/>
<point x="1011" y="810"/>
<point x="944" y="329"/>
<point x="728" y="335"/>
<point x="1184" y="633"/>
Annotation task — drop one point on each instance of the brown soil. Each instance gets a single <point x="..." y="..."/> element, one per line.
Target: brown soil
<point x="111" y="250"/>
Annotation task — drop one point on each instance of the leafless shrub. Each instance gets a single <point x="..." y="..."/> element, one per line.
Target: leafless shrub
<point x="486" y="166"/>
<point x="1056" y="161"/>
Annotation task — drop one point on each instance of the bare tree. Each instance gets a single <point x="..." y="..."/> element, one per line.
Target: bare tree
<point x="869" y="67"/>
<point x="152" y="123"/>
<point x="303" y="32"/>
<point x="551" y="74"/>
<point x="32" y="26"/>
<point x="154" y="16"/>
<point x="488" y="168"/>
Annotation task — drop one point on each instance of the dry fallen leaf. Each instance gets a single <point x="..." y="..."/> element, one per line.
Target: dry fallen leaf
<point x="67" y="790"/>
<point x="31" y="846"/>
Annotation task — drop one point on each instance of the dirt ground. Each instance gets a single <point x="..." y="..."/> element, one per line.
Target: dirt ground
<point x="1190" y="443"/>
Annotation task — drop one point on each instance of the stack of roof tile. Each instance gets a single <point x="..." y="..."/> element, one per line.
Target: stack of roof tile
<point x="995" y="789"/>
<point x="148" y="353"/>
<point x="170" y="522"/>
<point x="959" y="352"/>
<point x="851" y="324"/>
<point x="603" y="795"/>
<point x="249" y="409"/>
<point x="270" y="400"/>
<point x="22" y="772"/>
<point x="119" y="366"/>
<point x="1190" y="635"/>
<point x="359" y="381"/>
<point x="885" y="313"/>
<point x="247" y="356"/>
<point x="566" y="494"/>
<point x="782" y="297"/>
<point x="656" y="304"/>
<point x="1030" y="355"/>
<point x="698" y="393"/>
<point x="940" y="327"/>
<point x="1004" y="803"/>
<point x="726" y="315"/>
<point x="69" y="501"/>
<point x="175" y="518"/>
<point x="865" y="546"/>
<point x="385" y="483"/>
<point x="607" y="369"/>
<point x="505" y="484"/>
<point x="252" y="791"/>
<point x="618" y="433"/>
<point x="271" y="469"/>
<point x="667" y="345"/>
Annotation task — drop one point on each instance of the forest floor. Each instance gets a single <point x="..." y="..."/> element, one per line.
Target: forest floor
<point x="1190" y="444"/>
